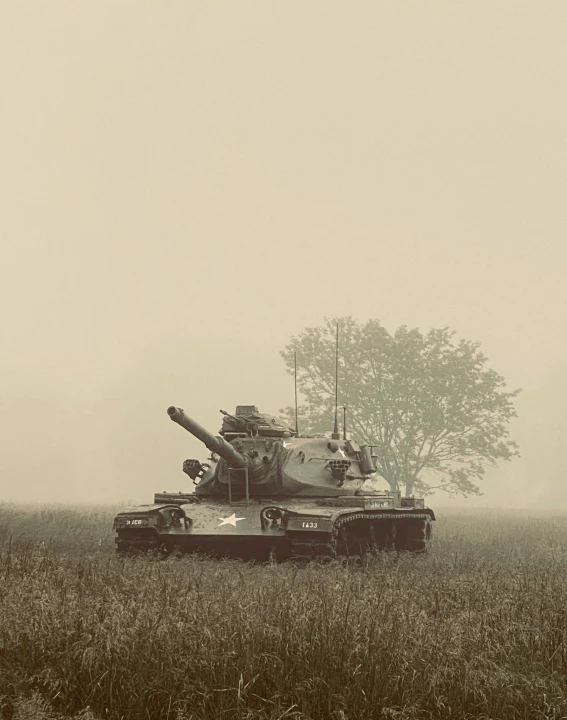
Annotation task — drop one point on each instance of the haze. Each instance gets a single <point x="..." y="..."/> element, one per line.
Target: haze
<point x="185" y="185"/>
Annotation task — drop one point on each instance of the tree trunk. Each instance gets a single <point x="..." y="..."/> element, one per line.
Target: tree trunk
<point x="392" y="482"/>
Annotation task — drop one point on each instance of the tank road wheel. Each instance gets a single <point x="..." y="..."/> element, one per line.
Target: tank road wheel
<point x="413" y="535"/>
<point x="357" y="538"/>
<point x="373" y="545"/>
<point x="353" y="542"/>
<point x="419" y="535"/>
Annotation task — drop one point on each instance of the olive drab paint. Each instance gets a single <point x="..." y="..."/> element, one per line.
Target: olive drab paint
<point x="267" y="491"/>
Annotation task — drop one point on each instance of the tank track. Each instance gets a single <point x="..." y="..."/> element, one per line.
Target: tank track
<point x="354" y="536"/>
<point x="358" y="545"/>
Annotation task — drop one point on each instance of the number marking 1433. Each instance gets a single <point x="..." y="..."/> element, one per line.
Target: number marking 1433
<point x="309" y="525"/>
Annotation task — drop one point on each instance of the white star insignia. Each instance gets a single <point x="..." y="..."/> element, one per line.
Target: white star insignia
<point x="232" y="520"/>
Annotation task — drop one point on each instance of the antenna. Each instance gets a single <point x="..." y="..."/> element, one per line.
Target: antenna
<point x="344" y="421"/>
<point x="336" y="434"/>
<point x="295" y="381"/>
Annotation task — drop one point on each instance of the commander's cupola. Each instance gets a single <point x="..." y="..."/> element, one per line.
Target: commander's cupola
<point x="249" y="421"/>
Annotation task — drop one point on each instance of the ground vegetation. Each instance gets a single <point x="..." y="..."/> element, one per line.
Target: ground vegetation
<point x="476" y="628"/>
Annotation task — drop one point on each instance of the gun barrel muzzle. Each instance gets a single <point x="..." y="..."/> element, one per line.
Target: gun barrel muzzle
<point x="214" y="443"/>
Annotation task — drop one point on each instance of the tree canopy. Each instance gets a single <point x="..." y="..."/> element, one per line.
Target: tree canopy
<point x="435" y="414"/>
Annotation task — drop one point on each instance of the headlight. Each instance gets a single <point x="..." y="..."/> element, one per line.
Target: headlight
<point x="272" y="517"/>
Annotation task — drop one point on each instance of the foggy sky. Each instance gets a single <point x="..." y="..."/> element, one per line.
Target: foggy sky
<point x="185" y="185"/>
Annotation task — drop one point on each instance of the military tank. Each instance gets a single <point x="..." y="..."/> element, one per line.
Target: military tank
<point x="268" y="492"/>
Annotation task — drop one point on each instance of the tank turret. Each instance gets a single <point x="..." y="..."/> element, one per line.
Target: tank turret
<point x="214" y="443"/>
<point x="258" y="454"/>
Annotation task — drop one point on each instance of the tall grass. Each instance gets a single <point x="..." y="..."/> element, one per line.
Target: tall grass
<point x="475" y="629"/>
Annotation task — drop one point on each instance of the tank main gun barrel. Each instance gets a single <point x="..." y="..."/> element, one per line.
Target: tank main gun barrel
<point x="215" y="444"/>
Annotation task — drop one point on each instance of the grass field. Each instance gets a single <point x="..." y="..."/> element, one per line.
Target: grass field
<point x="475" y="629"/>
